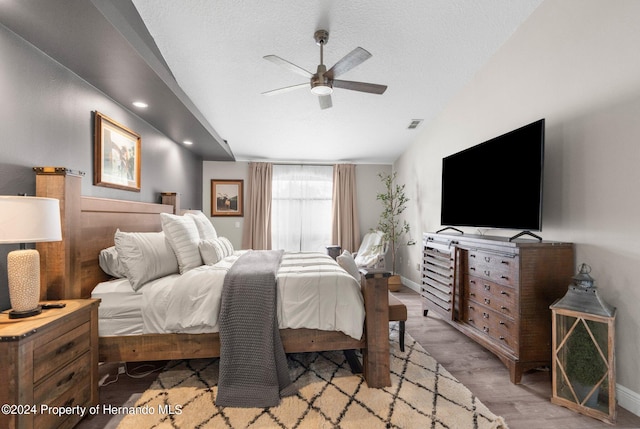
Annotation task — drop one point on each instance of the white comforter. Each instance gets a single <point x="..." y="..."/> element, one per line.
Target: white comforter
<point x="313" y="292"/>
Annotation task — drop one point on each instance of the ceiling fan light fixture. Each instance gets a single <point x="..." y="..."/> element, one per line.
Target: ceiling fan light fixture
<point x="321" y="89"/>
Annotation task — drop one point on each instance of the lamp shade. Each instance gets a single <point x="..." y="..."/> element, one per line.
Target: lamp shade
<point x="29" y="219"/>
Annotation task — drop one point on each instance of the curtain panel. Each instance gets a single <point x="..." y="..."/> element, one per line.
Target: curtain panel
<point x="256" y="233"/>
<point x="345" y="225"/>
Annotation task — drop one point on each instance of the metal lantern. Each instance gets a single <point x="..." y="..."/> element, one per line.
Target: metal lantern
<point x="584" y="371"/>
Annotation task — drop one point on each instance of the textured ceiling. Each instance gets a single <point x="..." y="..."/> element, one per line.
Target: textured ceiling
<point x="424" y="51"/>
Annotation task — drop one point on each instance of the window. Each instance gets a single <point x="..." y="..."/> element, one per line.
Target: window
<point x="301" y="207"/>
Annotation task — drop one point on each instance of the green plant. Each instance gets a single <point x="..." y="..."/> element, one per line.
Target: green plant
<point x="394" y="202"/>
<point x="584" y="363"/>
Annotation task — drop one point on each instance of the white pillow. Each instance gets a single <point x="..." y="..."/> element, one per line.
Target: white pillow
<point x="205" y="228"/>
<point x="345" y="260"/>
<point x="110" y="264"/>
<point x="214" y="250"/>
<point x="145" y="256"/>
<point x="183" y="236"/>
<point x="228" y="247"/>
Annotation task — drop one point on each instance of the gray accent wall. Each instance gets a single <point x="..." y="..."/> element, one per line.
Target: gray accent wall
<point x="46" y="119"/>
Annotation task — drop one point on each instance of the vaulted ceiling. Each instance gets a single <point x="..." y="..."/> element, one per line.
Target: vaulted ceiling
<point x="199" y="65"/>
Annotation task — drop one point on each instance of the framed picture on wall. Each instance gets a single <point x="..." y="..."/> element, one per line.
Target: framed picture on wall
<point x="227" y="198"/>
<point x="117" y="155"/>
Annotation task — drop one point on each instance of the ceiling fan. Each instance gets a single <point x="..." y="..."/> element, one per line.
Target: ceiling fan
<point x="323" y="81"/>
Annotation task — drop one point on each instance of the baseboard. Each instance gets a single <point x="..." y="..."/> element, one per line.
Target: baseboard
<point x="627" y="399"/>
<point x="410" y="284"/>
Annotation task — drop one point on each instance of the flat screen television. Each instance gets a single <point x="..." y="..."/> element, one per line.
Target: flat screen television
<point x="498" y="183"/>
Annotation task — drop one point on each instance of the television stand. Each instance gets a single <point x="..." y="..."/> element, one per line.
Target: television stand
<point x="450" y="227"/>
<point x="526" y="233"/>
<point x="497" y="292"/>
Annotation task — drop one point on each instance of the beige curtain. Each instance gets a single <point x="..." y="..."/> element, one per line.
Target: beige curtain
<point x="256" y="233"/>
<point x="346" y="229"/>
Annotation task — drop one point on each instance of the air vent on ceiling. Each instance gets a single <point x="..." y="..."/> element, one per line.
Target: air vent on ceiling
<point x="414" y="123"/>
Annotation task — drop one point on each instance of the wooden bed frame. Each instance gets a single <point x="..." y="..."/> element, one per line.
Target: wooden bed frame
<point x="69" y="270"/>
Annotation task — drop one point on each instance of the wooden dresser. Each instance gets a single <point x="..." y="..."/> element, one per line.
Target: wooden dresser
<point x="498" y="292"/>
<point x="46" y="361"/>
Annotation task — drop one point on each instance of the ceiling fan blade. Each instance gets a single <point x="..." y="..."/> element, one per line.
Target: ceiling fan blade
<point x="289" y="66"/>
<point x="349" y="61"/>
<point x="286" y="89"/>
<point x="325" y="101"/>
<point x="372" y="88"/>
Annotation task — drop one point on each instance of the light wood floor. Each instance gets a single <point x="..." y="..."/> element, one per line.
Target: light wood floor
<point x="524" y="406"/>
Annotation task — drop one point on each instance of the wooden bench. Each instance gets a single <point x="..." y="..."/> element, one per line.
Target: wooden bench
<point x="398" y="313"/>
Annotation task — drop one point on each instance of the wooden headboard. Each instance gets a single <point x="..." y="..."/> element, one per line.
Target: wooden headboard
<point x="69" y="268"/>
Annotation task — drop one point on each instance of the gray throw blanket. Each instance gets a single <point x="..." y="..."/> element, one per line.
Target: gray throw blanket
<point x="253" y="365"/>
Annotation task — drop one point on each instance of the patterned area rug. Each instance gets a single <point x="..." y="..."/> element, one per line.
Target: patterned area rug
<point x="423" y="395"/>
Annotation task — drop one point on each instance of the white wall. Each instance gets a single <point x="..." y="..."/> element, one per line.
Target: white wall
<point x="367" y="182"/>
<point x="577" y="64"/>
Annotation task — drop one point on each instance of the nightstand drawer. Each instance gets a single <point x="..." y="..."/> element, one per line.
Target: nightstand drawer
<point x="69" y="377"/>
<point x="49" y="357"/>
<point x="72" y="397"/>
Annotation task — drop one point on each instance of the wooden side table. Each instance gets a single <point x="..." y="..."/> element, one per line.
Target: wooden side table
<point x="48" y="361"/>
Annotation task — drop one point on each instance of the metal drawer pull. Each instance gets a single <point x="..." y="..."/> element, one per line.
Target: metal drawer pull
<point x="65" y="348"/>
<point x="472" y="255"/>
<point x="471" y="307"/>
<point x="485" y="329"/>
<point x="66" y="380"/>
<point x="487" y="301"/>
<point x="501" y="337"/>
<point x="470" y="320"/>
<point x="485" y="315"/>
<point x="502" y="307"/>
<point x="502" y="323"/>
<point x="504" y="277"/>
<point x="487" y="259"/>
<point x="487" y="273"/>
<point x="487" y="287"/>
<point x="504" y="262"/>
<point x="472" y="268"/>
<point x="472" y="294"/>
<point x="472" y="282"/>
<point x="503" y="293"/>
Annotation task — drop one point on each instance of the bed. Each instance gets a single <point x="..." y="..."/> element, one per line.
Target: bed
<point x="70" y="270"/>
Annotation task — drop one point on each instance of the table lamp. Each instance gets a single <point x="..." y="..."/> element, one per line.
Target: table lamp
<point x="27" y="220"/>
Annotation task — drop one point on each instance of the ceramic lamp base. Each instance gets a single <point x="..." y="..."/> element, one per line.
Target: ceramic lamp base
<point x="23" y="271"/>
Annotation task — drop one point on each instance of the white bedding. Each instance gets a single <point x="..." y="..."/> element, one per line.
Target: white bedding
<point x="313" y="292"/>
<point x="120" y="310"/>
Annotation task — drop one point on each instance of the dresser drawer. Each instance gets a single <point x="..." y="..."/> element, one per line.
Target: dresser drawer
<point x="499" y="328"/>
<point x="499" y="297"/>
<point x="496" y="267"/>
<point x="48" y="357"/>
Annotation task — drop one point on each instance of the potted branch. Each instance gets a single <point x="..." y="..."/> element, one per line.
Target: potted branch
<point x="394" y="231"/>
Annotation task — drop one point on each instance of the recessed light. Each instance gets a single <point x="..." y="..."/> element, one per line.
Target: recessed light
<point x="188" y="142"/>
<point x="140" y="104"/>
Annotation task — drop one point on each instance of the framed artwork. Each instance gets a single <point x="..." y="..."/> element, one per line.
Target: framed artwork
<point x="117" y="155"/>
<point x="227" y="198"/>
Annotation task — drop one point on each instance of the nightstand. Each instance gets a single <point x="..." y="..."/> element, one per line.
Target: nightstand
<point x="46" y="361"/>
